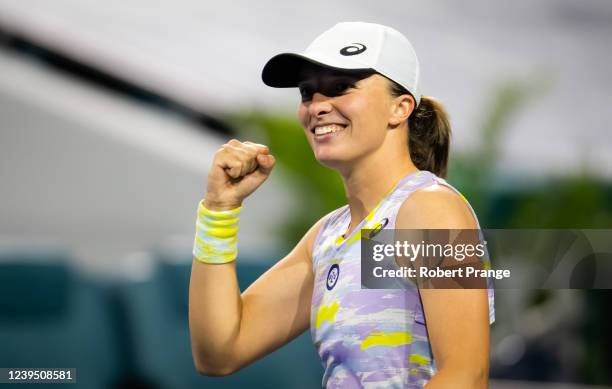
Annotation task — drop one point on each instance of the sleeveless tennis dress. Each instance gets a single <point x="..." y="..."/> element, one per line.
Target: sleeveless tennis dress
<point x="369" y="338"/>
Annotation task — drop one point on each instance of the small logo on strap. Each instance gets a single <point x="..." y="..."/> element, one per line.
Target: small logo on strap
<point x="378" y="227"/>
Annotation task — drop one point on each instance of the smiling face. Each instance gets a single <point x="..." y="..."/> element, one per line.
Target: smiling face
<point x="345" y="116"/>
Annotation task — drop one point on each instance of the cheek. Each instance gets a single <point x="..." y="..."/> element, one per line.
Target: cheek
<point x="365" y="114"/>
<point x="302" y="113"/>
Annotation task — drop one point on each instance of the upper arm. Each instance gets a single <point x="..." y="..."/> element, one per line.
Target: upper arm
<point x="457" y="319"/>
<point x="276" y="307"/>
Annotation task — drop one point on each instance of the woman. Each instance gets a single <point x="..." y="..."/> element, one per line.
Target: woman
<point x="364" y="117"/>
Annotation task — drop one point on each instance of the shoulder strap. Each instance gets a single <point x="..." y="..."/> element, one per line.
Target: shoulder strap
<point x="331" y="222"/>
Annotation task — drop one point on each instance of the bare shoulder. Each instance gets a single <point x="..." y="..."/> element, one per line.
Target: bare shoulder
<point x="309" y="238"/>
<point x="436" y="206"/>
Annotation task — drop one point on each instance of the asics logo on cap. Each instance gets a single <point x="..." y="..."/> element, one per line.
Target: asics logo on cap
<point x="358" y="48"/>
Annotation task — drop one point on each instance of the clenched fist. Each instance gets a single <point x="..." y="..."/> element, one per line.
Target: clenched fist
<point x="238" y="169"/>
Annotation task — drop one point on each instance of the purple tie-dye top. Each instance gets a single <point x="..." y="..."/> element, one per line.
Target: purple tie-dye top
<point x="369" y="338"/>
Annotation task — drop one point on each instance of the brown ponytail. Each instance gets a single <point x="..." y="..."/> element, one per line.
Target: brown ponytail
<point x="429" y="134"/>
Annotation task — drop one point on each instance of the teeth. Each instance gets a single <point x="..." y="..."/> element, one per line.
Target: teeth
<point x="327" y="129"/>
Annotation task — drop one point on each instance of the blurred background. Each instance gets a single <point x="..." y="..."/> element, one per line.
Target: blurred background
<point x="110" y="113"/>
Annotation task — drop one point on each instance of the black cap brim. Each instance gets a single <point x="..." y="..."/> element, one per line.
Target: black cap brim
<point x="284" y="70"/>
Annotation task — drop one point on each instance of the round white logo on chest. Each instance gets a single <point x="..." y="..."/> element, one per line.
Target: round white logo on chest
<point x="332" y="276"/>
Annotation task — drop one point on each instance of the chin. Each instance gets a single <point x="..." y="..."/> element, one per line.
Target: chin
<point x="332" y="161"/>
<point x="335" y="156"/>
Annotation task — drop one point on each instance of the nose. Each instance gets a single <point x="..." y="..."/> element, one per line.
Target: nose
<point x="319" y="105"/>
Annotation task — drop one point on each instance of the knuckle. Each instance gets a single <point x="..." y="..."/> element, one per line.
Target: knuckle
<point x="233" y="151"/>
<point x="224" y="150"/>
<point x="234" y="163"/>
<point x="249" y="146"/>
<point x="219" y="156"/>
<point x="246" y="154"/>
<point x="257" y="146"/>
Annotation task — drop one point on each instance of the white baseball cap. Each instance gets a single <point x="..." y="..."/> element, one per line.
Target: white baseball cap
<point x="351" y="46"/>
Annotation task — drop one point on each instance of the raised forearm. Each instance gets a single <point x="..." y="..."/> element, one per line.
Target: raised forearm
<point x="215" y="307"/>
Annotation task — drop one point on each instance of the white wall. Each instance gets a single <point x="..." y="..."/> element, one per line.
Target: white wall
<point x="106" y="177"/>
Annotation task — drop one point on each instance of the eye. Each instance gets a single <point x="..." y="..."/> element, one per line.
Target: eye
<point x="306" y="93"/>
<point x="341" y="86"/>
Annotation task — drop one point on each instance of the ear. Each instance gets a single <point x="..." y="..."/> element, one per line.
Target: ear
<point x="401" y="108"/>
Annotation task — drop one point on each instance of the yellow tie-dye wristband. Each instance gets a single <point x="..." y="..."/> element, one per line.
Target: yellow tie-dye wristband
<point x="216" y="235"/>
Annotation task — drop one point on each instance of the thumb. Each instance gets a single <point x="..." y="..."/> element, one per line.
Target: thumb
<point x="266" y="163"/>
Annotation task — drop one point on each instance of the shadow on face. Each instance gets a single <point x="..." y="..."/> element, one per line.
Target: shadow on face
<point x="328" y="81"/>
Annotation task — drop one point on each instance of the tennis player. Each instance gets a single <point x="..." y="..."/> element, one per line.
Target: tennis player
<point x="364" y="117"/>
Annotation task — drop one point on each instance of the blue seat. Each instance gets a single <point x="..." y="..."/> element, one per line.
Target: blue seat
<point x="160" y="315"/>
<point x="50" y="317"/>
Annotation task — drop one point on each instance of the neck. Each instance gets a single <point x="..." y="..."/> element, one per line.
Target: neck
<point x="370" y="179"/>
